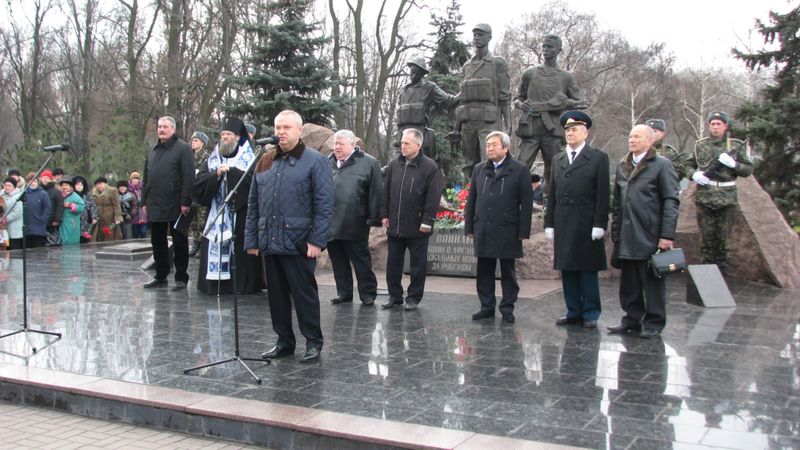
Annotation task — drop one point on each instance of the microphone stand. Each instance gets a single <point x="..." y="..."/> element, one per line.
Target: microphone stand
<point x="224" y="207"/>
<point x="26" y="330"/>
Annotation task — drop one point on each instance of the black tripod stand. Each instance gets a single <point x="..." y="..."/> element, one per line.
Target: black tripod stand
<point x="226" y="205"/>
<point x="25" y="326"/>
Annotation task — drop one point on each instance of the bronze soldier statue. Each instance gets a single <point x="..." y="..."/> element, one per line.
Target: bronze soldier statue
<point x="677" y="157"/>
<point x="544" y="93"/>
<point x="416" y="101"/>
<point x="714" y="165"/>
<point x="484" y="99"/>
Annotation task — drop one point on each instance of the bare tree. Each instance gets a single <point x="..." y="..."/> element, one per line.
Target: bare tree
<point x="391" y="43"/>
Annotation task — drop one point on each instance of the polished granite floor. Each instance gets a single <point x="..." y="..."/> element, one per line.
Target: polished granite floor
<point x="727" y="378"/>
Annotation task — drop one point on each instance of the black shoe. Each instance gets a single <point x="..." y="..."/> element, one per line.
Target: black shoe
<point x="392" y="303"/>
<point x="561" y="321"/>
<point x="340" y="299"/>
<point x="195" y="250"/>
<point x="155" y="283"/>
<point x="369" y="301"/>
<point x="483" y="314"/>
<point x="509" y="318"/>
<point x="179" y="286"/>
<point x="310" y="355"/>
<point x="277" y="352"/>
<point x="410" y="306"/>
<point x="622" y="329"/>
<point x="649" y="333"/>
<point x="590" y="324"/>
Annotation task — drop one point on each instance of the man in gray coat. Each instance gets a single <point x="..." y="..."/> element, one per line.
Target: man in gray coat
<point x="357" y="203"/>
<point x="576" y="218"/>
<point x="498" y="218"/>
<point x="167" y="198"/>
<point x="643" y="220"/>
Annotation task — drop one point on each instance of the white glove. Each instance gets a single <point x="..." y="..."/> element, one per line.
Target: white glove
<point x="598" y="233"/>
<point x="700" y="178"/>
<point x="549" y="233"/>
<point x="726" y="159"/>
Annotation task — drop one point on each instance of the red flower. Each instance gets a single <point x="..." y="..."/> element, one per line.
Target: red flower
<point x="107" y="231"/>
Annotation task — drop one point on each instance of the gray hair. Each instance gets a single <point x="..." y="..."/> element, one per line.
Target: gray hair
<point x="169" y="119"/>
<point x="415" y="133"/>
<point x="504" y="139"/>
<point x="289" y="114"/>
<point x="346" y="134"/>
<point x="650" y="133"/>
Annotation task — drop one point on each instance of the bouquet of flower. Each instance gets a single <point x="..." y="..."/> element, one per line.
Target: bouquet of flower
<point x="449" y="220"/>
<point x="107" y="230"/>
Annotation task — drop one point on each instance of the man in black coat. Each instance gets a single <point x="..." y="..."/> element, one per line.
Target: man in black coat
<point x="643" y="220"/>
<point x="410" y="201"/>
<point x="498" y="218"/>
<point x="576" y="218"/>
<point x="166" y="198"/>
<point x="357" y="202"/>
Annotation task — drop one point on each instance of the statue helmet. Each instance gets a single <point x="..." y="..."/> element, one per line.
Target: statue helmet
<point x="419" y="62"/>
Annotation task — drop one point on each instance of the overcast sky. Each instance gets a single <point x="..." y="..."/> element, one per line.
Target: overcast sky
<point x="698" y="32"/>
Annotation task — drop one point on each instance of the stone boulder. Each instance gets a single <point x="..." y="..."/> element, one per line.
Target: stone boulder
<point x="764" y="247"/>
<point x="321" y="138"/>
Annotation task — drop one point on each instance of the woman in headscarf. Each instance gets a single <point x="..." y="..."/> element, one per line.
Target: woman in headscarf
<point x="90" y="214"/>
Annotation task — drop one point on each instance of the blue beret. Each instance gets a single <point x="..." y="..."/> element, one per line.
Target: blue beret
<point x="657" y="124"/>
<point x="572" y="118"/>
<point x="202" y="136"/>
<point x="718" y="115"/>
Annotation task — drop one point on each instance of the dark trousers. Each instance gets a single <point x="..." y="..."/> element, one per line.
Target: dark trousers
<point x="642" y="296"/>
<point x="418" y="248"/>
<point x="485" y="284"/>
<point x="581" y="293"/>
<point x="15" y="244"/>
<point x="180" y="251"/>
<point x="139" y="230"/>
<point x="346" y="254"/>
<point x="291" y="278"/>
<point x="34" y="241"/>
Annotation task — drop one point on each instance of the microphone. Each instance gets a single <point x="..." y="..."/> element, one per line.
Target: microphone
<point x="273" y="140"/>
<point x="56" y="148"/>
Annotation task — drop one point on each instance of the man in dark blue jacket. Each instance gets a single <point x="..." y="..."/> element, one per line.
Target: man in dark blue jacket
<point x="410" y="202"/>
<point x="289" y="213"/>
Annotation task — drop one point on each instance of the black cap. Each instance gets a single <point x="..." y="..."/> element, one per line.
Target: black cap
<point x="572" y="118"/>
<point x="101" y="179"/>
<point x="657" y="124"/>
<point x="237" y="127"/>
<point x="10" y="180"/>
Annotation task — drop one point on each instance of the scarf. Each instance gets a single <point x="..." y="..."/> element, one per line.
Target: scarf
<point x="219" y="231"/>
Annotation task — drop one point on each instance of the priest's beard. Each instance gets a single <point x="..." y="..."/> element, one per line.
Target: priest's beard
<point x="227" y="148"/>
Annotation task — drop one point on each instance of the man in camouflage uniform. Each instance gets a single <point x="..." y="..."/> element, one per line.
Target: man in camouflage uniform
<point x="485" y="99"/>
<point x="677" y="157"/>
<point x="545" y="92"/>
<point x="416" y="101"/>
<point x="714" y="165"/>
<point x="199" y="213"/>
